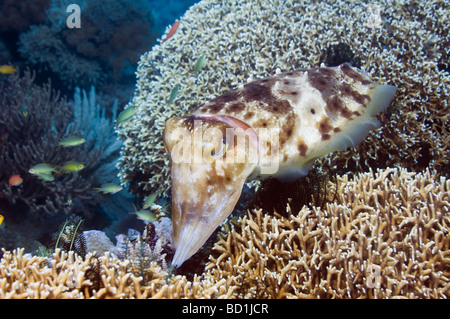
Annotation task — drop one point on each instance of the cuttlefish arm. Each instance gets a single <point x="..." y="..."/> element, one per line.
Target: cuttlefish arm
<point x="275" y="126"/>
<point x="208" y="172"/>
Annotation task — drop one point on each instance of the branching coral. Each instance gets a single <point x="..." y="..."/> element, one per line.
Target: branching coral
<point x="253" y="39"/>
<point x="386" y="236"/>
<point x="43" y="46"/>
<point x="69" y="276"/>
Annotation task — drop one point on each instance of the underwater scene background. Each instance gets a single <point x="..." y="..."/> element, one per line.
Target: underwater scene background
<point x="85" y="193"/>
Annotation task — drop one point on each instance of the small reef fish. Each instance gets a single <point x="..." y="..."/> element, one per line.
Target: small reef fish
<point x="72" y="166"/>
<point x="42" y="168"/>
<point x="46" y="177"/>
<point x="172" y="30"/>
<point x="173" y="94"/>
<point x="109" y="188"/>
<point x="144" y="215"/>
<point x="15" y="180"/>
<point x="1" y="219"/>
<point x="126" y="114"/>
<point x="24" y="110"/>
<point x="200" y="63"/>
<point x="149" y="200"/>
<point x="7" y="69"/>
<point x="280" y="125"/>
<point x="71" y="141"/>
<point x="69" y="201"/>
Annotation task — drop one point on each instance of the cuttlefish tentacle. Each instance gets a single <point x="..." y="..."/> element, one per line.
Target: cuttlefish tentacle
<point x="271" y="127"/>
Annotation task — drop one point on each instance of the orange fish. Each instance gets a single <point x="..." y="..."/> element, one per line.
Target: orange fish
<point x="172" y="30"/>
<point x="7" y="69"/>
<point x="15" y="180"/>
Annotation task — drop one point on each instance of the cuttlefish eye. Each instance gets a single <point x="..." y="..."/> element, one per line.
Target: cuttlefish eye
<point x="221" y="152"/>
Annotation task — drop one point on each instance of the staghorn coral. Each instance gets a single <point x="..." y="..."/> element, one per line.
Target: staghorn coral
<point x="33" y="120"/>
<point x="385" y="236"/>
<point x="68" y="276"/>
<point x="245" y="40"/>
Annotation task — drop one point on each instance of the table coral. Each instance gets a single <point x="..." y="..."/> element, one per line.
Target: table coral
<point x="245" y="40"/>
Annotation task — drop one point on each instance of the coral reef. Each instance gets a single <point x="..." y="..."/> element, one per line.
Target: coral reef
<point x="97" y="241"/>
<point x="384" y="236"/>
<point x="71" y="277"/>
<point x="18" y="16"/>
<point x="85" y="56"/>
<point x="33" y="120"/>
<point x="42" y="46"/>
<point x="70" y="237"/>
<point x="29" y="137"/>
<point x="414" y="132"/>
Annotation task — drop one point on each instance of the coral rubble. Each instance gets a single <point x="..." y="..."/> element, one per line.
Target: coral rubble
<point x="385" y="236"/>
<point x="245" y="40"/>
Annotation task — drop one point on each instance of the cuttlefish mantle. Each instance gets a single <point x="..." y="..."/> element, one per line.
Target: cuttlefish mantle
<point x="274" y="126"/>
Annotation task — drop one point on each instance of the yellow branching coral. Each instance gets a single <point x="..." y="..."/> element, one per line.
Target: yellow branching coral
<point x="385" y="236"/>
<point x="68" y="276"/>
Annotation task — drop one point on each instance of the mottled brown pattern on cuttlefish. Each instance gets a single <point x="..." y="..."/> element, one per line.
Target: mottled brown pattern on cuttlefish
<point x="288" y="89"/>
<point x="313" y="110"/>
<point x="355" y="76"/>
<point x="218" y="104"/>
<point x="337" y="83"/>
<point x="325" y="128"/>
<point x="335" y="105"/>
<point x="281" y="109"/>
<point x="349" y="91"/>
<point x="263" y="93"/>
<point x="302" y="147"/>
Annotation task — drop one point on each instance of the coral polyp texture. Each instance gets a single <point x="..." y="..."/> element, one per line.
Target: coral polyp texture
<point x="384" y="236"/>
<point x="251" y="40"/>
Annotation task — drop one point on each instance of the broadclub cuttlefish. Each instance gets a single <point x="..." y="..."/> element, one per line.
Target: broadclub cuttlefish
<point x="276" y="127"/>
